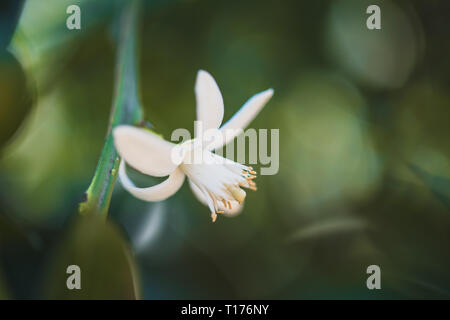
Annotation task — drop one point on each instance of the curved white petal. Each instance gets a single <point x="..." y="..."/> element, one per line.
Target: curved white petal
<point x="209" y="101"/>
<point x="236" y="208"/>
<point x="154" y="193"/>
<point x="145" y="151"/>
<point x="244" y="116"/>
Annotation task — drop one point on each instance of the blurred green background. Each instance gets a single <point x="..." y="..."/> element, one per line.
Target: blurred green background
<point x="364" y="150"/>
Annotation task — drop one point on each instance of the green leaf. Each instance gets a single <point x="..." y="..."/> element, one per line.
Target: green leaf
<point x="323" y="228"/>
<point x="16" y="98"/>
<point x="108" y="270"/>
<point x="439" y="186"/>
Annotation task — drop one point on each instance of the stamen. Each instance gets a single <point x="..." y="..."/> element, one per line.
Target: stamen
<point x="221" y="182"/>
<point x="245" y="185"/>
<point x="237" y="193"/>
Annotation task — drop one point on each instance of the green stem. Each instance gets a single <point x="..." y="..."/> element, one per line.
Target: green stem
<point x="126" y="109"/>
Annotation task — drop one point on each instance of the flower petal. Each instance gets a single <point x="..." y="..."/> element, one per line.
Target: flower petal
<point x="145" y="151"/>
<point x="157" y="192"/>
<point x="244" y="116"/>
<point x="236" y="208"/>
<point x="209" y="101"/>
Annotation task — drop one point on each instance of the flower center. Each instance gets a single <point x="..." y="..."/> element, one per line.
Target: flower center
<point x="219" y="179"/>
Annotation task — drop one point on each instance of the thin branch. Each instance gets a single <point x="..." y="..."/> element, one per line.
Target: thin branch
<point x="126" y="109"/>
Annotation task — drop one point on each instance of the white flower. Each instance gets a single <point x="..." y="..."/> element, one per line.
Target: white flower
<point x="215" y="181"/>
